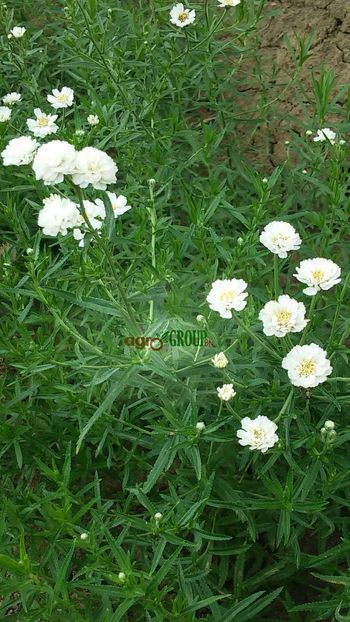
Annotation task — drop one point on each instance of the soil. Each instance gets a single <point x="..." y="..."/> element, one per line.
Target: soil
<point x="329" y="23"/>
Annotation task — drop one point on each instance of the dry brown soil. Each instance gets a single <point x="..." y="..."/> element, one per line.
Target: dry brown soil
<point x="329" y="21"/>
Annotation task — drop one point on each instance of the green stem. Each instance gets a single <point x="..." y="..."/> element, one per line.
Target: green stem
<point x="310" y="314"/>
<point x="63" y="323"/>
<point x="153" y="216"/>
<point x="276" y="275"/>
<point x="115" y="79"/>
<point x="255" y="337"/>
<point x="212" y="442"/>
<point x="111" y="260"/>
<point x="285" y="406"/>
<point x="337" y="311"/>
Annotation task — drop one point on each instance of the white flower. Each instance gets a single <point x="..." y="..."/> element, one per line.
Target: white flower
<point x="19" y="151"/>
<point x="5" y="114"/>
<point x="180" y="16"/>
<point x="43" y="124"/>
<point x="17" y="32"/>
<point x="119" y="204"/>
<point x="280" y="237"/>
<point x="58" y="215"/>
<point x="79" y="235"/>
<point x="318" y="273"/>
<point x="325" y="134"/>
<point x="258" y="433"/>
<point x="226" y="392"/>
<point x="283" y="316"/>
<point x="95" y="213"/>
<point x="11" y="98"/>
<point x="200" y="426"/>
<point x="79" y="132"/>
<point x="307" y="366"/>
<point x="84" y="536"/>
<point x="61" y="98"/>
<point x="94" y="167"/>
<point x="158" y="516"/>
<point x="224" y="3"/>
<point x="53" y="161"/>
<point x="329" y="424"/>
<point x="226" y="295"/>
<point x="93" y="119"/>
<point x="219" y="360"/>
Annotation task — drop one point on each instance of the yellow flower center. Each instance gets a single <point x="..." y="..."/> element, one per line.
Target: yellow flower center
<point x="307" y="367"/>
<point x="318" y="275"/>
<point x="280" y="237"/>
<point x="62" y="98"/>
<point x="257" y="434"/>
<point x="227" y="297"/>
<point x="42" y="121"/>
<point x="183" y="16"/>
<point x="283" y="317"/>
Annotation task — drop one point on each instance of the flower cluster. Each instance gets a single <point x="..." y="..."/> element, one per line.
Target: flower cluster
<point x="307" y="366"/>
<point x="60" y="215"/>
<point x="58" y="158"/>
<point x="55" y="160"/>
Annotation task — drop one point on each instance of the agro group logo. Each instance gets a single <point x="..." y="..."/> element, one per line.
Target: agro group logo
<point x="174" y="338"/>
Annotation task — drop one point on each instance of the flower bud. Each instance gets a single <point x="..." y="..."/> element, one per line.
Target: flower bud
<point x="200" y="426"/>
<point x="220" y="360"/>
